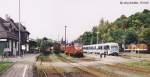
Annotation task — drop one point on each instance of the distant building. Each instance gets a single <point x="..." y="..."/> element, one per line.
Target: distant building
<point x="9" y="37"/>
<point x="137" y="48"/>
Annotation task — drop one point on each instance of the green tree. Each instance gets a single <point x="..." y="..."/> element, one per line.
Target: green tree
<point x="118" y="35"/>
<point x="86" y="38"/>
<point x="132" y="29"/>
<point x="122" y="22"/>
<point x="146" y="36"/>
<point x="131" y="36"/>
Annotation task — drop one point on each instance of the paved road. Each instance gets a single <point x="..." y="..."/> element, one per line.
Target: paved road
<point x="22" y="67"/>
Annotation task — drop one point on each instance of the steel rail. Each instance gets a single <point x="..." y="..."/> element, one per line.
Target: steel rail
<point x="84" y="70"/>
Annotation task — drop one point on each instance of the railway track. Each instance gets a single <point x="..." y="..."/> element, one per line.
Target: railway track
<point x="56" y="73"/>
<point x="80" y="73"/>
<point x="89" y="70"/>
<point x="80" y="70"/>
<point x="116" y="70"/>
<point x="48" y="70"/>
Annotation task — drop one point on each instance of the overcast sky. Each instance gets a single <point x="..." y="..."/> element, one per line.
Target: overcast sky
<point x="48" y="17"/>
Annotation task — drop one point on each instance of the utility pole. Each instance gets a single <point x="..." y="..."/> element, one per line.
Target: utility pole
<point x="65" y="36"/>
<point x="19" y="29"/>
<point x="92" y="39"/>
<point x="58" y="38"/>
<point x="97" y="37"/>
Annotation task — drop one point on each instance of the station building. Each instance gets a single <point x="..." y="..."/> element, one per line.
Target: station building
<point x="9" y="37"/>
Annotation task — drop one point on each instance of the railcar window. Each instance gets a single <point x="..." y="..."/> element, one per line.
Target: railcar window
<point x="88" y="48"/>
<point x="94" y="47"/>
<point x="106" y="47"/>
<point x="100" y="47"/>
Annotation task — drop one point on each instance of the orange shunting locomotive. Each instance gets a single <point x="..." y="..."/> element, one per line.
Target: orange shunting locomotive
<point x="74" y="50"/>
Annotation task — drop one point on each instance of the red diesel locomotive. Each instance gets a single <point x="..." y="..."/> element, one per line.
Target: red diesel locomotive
<point x="74" y="50"/>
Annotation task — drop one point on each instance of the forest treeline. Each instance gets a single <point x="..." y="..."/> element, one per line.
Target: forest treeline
<point x="124" y="30"/>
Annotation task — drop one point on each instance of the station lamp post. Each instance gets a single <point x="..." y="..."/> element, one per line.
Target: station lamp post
<point x="19" y="47"/>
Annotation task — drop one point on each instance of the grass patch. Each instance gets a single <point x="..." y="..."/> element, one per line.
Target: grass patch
<point x="141" y="64"/>
<point x="138" y="55"/>
<point x="4" y="66"/>
<point x="130" y="55"/>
